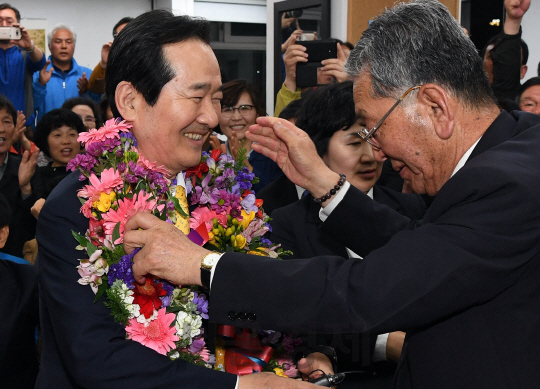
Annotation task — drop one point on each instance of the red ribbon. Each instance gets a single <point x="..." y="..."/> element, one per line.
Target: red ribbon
<point x="247" y="354"/>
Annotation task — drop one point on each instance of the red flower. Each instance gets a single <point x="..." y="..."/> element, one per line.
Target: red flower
<point x="197" y="171"/>
<point x="96" y="232"/>
<point x="215" y="154"/>
<point x="246" y="192"/>
<point x="259" y="202"/>
<point x="147" y="296"/>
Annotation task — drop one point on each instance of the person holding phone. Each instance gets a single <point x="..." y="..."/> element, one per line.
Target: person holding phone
<point x="331" y="71"/>
<point x="19" y="60"/>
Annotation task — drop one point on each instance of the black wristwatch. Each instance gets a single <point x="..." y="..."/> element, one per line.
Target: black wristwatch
<point x="207" y="264"/>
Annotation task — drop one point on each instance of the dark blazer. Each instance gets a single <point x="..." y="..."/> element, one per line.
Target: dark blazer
<point x="23" y="225"/>
<point x="297" y="228"/>
<point x="280" y="193"/>
<point x="463" y="282"/>
<point x="83" y="347"/>
<point x="19" y="312"/>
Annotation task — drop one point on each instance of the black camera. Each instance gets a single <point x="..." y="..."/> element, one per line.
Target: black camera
<point x="294" y="14"/>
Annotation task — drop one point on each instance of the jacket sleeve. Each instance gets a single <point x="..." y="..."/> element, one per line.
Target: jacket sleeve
<point x="40" y="93"/>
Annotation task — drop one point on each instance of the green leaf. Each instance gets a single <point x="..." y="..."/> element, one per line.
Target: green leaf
<point x="116" y="232"/>
<point x="177" y="206"/>
<point x="79" y="238"/>
<point x="102" y="288"/>
<point x="90" y="249"/>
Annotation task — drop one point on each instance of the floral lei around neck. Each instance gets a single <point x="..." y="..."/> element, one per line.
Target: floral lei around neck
<point x="164" y="317"/>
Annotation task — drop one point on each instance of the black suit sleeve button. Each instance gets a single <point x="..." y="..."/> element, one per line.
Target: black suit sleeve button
<point x="251" y="316"/>
<point x="242" y="316"/>
<point x="232" y="315"/>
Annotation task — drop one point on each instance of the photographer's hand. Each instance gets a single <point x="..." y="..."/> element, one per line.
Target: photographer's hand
<point x="294" y="54"/>
<point x="335" y="66"/>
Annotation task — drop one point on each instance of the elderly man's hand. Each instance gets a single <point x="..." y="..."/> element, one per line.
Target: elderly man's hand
<point x="270" y="380"/>
<point x="82" y="84"/>
<point x="294" y="152"/>
<point x="166" y="253"/>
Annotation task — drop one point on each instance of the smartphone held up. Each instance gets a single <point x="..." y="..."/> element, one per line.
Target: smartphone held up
<point x="9" y="33"/>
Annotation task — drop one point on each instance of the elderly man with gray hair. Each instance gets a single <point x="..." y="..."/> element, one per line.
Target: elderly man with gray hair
<point x="463" y="282"/>
<point x="61" y="78"/>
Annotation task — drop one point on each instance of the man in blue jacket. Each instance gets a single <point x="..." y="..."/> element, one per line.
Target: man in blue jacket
<point x="19" y="59"/>
<point x="61" y="78"/>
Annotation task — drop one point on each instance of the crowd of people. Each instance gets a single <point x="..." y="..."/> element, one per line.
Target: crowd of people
<point x="416" y="191"/>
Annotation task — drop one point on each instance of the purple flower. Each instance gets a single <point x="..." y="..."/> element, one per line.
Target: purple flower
<point x="121" y="166"/>
<point x="122" y="270"/>
<point x="202" y="304"/>
<point x="248" y="203"/>
<point x="266" y="242"/>
<point x="83" y="161"/>
<point x="289" y="343"/>
<point x="166" y="300"/>
<point x="128" y="135"/>
<point x="196" y="346"/>
<point x="137" y="170"/>
<point x="131" y="178"/>
<point x="271" y="336"/>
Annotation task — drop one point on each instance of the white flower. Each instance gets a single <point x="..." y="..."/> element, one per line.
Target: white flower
<point x="188" y="326"/>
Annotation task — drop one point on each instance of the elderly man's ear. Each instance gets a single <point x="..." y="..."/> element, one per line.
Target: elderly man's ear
<point x="435" y="102"/>
<point x="126" y="98"/>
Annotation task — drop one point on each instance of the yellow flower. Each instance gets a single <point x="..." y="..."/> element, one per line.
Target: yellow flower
<point x="105" y="201"/>
<point x="239" y="242"/>
<point x="258" y="251"/>
<point x="279" y="372"/>
<point x="247" y="218"/>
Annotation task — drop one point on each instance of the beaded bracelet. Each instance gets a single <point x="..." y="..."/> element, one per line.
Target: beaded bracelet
<point x="332" y="191"/>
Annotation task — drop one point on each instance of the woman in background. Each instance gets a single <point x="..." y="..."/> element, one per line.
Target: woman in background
<point x="241" y="105"/>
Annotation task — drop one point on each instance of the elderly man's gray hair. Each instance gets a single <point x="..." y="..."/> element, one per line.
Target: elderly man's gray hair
<point x="417" y="43"/>
<point x="61" y="27"/>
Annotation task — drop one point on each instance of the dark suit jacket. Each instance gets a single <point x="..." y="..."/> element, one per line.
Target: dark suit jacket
<point x="82" y="345"/>
<point x="23" y="225"/>
<point x="297" y="228"/>
<point x="278" y="194"/>
<point x="463" y="283"/>
<point x="19" y="313"/>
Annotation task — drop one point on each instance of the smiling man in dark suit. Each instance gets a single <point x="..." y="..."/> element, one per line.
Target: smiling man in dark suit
<point x="463" y="282"/>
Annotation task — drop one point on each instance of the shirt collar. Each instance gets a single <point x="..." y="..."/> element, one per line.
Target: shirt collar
<point x="465" y="157"/>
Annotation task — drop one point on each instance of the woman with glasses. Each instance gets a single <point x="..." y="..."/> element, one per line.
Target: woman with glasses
<point x="241" y="105"/>
<point x="87" y="110"/>
<point x="328" y="117"/>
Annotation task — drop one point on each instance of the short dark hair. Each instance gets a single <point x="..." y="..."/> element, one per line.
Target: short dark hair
<point x="5" y="103"/>
<point x="417" y="43"/>
<point x="526" y="85"/>
<point x="51" y="121"/>
<point x="8" y="6"/>
<point x="325" y="111"/>
<point x="5" y="212"/>
<point x="137" y="56"/>
<point x="232" y="91"/>
<point x="73" y="102"/>
<point x="291" y="110"/>
<point x="124" y="20"/>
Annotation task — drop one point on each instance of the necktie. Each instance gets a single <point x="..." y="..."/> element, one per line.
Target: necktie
<point x="182" y="222"/>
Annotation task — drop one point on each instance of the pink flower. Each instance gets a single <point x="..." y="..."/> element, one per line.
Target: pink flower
<point x="110" y="130"/>
<point x="126" y="209"/>
<point x="205" y="215"/>
<point x="151" y="165"/>
<point x="110" y="179"/>
<point x="157" y="335"/>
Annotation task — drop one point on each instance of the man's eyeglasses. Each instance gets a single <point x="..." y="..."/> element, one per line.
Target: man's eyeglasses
<point x="367" y="135"/>
<point x="244" y="110"/>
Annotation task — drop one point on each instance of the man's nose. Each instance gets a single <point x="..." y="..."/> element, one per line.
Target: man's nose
<point x="208" y="114"/>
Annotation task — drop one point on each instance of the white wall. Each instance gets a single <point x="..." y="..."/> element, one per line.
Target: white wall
<point x="531" y="35"/>
<point x="92" y="20"/>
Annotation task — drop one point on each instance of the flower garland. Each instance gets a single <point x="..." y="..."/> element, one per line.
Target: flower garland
<point x="228" y="217"/>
